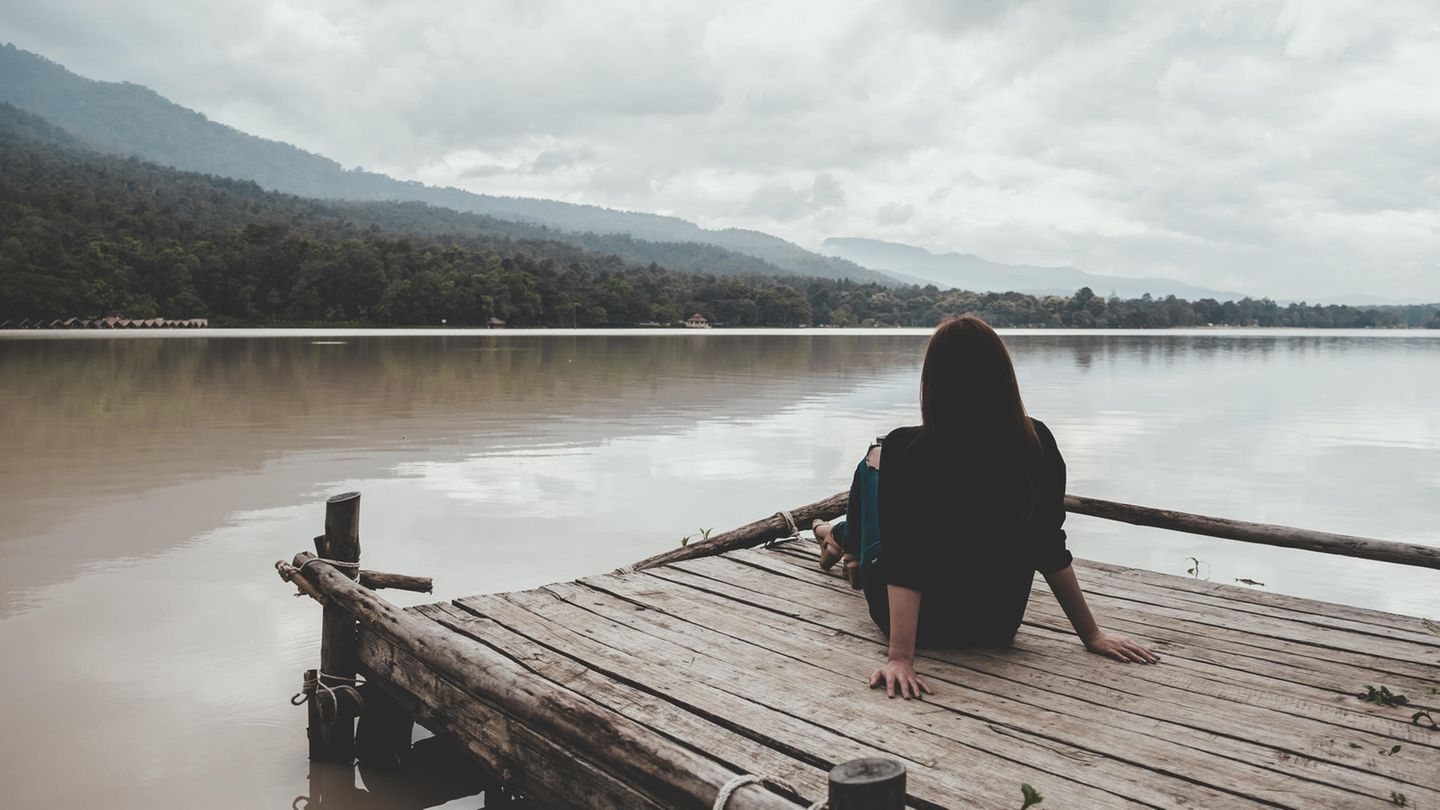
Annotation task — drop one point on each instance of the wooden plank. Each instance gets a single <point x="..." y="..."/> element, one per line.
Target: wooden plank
<point x="1268" y="653"/>
<point x="1147" y="775"/>
<point x="1326" y="614"/>
<point x="1398" y="643"/>
<point x="1283" y="749"/>
<point x="530" y="763"/>
<point x="992" y="773"/>
<point x="1231" y="593"/>
<point x="1159" y="602"/>
<point x="1238" y="651"/>
<point x="673" y="774"/>
<point x="1062" y="654"/>
<point x="835" y="601"/>
<point x="676" y="721"/>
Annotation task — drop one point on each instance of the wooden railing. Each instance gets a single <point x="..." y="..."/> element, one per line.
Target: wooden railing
<point x="1345" y="545"/>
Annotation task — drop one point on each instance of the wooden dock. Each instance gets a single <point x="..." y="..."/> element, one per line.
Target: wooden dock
<point x="660" y="687"/>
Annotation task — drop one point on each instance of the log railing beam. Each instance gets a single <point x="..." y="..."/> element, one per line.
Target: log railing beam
<point x="1344" y="545"/>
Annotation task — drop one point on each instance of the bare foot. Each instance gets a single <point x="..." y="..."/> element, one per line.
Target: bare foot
<point x="830" y="551"/>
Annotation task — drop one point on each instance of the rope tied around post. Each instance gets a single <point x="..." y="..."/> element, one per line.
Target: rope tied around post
<point x="784" y="514"/>
<point x="311" y="688"/>
<point x="722" y="798"/>
<point x="353" y="566"/>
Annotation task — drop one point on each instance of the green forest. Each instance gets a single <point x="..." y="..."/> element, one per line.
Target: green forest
<point x="86" y="234"/>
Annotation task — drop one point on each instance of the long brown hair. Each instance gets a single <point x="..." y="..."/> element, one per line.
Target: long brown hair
<point x="971" y="409"/>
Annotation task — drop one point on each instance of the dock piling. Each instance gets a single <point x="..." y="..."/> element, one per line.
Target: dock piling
<point x="869" y="783"/>
<point x="332" y="734"/>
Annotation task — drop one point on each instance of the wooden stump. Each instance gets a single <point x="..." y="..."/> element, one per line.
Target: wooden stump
<point x="338" y="642"/>
<point x="871" y="783"/>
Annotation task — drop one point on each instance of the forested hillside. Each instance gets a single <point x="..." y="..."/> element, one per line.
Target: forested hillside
<point x="129" y="119"/>
<point x="83" y="233"/>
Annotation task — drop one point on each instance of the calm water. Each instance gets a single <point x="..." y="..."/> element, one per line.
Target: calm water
<point x="148" y="484"/>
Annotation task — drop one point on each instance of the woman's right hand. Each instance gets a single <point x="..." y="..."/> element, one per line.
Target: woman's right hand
<point x="898" y="676"/>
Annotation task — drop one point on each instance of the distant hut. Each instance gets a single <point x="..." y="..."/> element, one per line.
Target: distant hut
<point x="495" y="323"/>
<point x="697" y="321"/>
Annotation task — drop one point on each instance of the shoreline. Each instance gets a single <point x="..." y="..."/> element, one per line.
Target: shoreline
<point x="773" y="331"/>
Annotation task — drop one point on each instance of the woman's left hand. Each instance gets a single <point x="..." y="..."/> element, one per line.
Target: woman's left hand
<point x="1121" y="649"/>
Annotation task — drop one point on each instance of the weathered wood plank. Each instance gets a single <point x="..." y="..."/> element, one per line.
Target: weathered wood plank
<point x="820" y="593"/>
<point x="679" y="722"/>
<point x="527" y="761"/>
<point x="675" y="775"/>
<point x="1231" y="597"/>
<point x="1203" y="728"/>
<point x="1061" y="654"/>
<point x="991" y="774"/>
<point x="1264" y="597"/>
<point x="1152" y="625"/>
<point x="1163" y="604"/>
<point x="952" y="714"/>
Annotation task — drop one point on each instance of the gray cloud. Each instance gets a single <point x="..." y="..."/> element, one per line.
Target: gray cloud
<point x="1280" y="147"/>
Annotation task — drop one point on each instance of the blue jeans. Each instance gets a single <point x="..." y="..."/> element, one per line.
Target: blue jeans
<point x="859" y="535"/>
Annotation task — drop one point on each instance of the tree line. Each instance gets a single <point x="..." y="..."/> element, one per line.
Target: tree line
<point x="85" y="234"/>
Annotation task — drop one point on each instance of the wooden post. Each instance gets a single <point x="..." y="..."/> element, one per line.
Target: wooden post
<point x="871" y="783"/>
<point x="338" y="643"/>
<point x="313" y="713"/>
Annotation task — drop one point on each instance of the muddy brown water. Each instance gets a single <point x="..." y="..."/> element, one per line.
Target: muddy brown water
<point x="147" y="484"/>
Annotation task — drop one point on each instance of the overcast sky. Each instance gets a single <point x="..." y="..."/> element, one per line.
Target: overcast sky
<point x="1289" y="149"/>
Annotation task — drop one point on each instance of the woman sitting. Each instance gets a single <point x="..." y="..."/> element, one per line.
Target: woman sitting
<point x="946" y="545"/>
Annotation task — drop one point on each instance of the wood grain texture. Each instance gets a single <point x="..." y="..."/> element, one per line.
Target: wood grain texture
<point x="672" y="775"/>
<point x="653" y="687"/>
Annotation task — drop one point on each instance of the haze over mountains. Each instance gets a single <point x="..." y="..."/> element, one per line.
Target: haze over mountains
<point x="974" y="273"/>
<point x="130" y="119"/>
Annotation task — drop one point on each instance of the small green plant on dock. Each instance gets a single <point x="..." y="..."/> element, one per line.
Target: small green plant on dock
<point x="1248" y="581"/>
<point x="1431" y="626"/>
<point x="1424" y="715"/>
<point x="704" y="535"/>
<point x="1030" y="795"/>
<point x="1398" y="799"/>
<point x="1392" y="751"/>
<point x="1382" y="696"/>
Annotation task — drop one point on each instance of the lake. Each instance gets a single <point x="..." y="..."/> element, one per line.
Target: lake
<point x="149" y="482"/>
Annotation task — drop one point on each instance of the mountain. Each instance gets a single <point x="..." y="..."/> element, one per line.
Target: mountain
<point x="129" y="119"/>
<point x="87" y="233"/>
<point x="966" y="271"/>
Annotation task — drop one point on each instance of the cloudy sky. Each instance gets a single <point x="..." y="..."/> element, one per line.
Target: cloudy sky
<point x="1289" y="149"/>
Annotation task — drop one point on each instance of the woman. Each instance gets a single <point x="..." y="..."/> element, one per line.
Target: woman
<point x="946" y="545"/>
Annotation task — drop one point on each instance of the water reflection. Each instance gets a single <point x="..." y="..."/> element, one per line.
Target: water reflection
<point x="147" y="484"/>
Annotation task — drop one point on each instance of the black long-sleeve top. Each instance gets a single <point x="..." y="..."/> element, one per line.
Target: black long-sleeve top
<point x="948" y="529"/>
